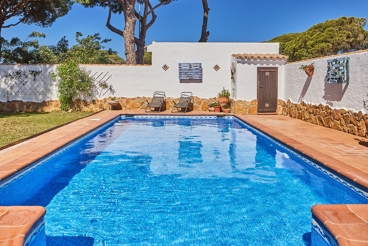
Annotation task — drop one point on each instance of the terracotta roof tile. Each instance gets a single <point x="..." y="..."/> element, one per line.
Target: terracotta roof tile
<point x="273" y="57"/>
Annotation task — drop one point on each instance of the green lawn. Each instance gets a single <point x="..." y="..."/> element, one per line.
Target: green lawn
<point x="18" y="126"/>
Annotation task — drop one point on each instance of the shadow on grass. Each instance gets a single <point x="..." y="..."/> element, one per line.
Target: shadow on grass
<point x="20" y="114"/>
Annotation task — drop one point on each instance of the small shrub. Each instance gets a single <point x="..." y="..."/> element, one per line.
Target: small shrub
<point x="75" y="82"/>
<point x="213" y="104"/>
<point x="224" y="93"/>
<point x="227" y="106"/>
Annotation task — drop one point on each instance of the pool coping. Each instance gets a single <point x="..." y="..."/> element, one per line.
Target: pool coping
<point x="18" y="157"/>
<point x="20" y="225"/>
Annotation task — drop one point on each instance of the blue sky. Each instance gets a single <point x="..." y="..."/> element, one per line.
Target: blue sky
<point x="181" y="21"/>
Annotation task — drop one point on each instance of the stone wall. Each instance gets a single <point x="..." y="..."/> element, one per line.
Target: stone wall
<point x="338" y="119"/>
<point x="200" y="104"/>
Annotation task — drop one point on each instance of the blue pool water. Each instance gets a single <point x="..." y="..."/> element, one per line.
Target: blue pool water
<point x="187" y="181"/>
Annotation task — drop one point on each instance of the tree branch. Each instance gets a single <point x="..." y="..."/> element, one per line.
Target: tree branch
<point x="108" y="24"/>
<point x="10" y="25"/>
<point x="204" y="33"/>
<point x="164" y="2"/>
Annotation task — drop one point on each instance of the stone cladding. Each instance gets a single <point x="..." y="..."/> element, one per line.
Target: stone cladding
<point x="199" y="104"/>
<point x="338" y="119"/>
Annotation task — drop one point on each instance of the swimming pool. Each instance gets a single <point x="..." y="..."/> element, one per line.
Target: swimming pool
<point x="177" y="181"/>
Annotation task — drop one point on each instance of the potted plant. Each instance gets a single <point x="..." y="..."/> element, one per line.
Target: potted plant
<point x="308" y="69"/>
<point x="223" y="96"/>
<point x="226" y="108"/>
<point x="216" y="106"/>
<point x="211" y="106"/>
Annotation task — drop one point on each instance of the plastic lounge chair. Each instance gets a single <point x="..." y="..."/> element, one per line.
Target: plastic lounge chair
<point x="184" y="101"/>
<point x="157" y="101"/>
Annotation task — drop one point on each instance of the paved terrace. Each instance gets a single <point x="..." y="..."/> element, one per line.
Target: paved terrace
<point x="342" y="152"/>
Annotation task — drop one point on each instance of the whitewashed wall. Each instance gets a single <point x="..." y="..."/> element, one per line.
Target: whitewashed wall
<point x="316" y="90"/>
<point x="133" y="81"/>
<point x="37" y="90"/>
<point x="247" y="78"/>
<point x="293" y="83"/>
<point x="209" y="54"/>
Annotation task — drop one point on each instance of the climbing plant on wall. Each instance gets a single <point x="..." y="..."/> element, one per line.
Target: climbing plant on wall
<point x="74" y="82"/>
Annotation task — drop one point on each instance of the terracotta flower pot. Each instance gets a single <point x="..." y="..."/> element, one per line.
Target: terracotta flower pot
<point x="226" y="110"/>
<point x="223" y="100"/>
<point x="217" y="109"/>
<point x="309" y="71"/>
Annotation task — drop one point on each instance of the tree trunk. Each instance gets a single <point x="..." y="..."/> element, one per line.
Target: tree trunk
<point x="205" y="33"/>
<point x="141" y="41"/>
<point x="149" y="10"/>
<point x="1" y="43"/>
<point x="128" y="33"/>
<point x="140" y="48"/>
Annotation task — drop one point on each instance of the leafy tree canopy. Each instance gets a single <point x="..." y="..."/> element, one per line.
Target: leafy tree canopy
<point x="42" y="13"/>
<point x="283" y="40"/>
<point x="17" y="51"/>
<point x="147" y="58"/>
<point x="88" y="50"/>
<point x="328" y="38"/>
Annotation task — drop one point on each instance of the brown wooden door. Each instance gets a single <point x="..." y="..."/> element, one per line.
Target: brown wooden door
<point x="267" y="89"/>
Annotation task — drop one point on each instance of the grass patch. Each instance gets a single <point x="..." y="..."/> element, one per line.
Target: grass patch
<point x="18" y="126"/>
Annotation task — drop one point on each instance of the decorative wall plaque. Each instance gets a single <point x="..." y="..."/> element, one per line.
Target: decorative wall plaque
<point x="190" y="72"/>
<point x="216" y="67"/>
<point x="165" y="67"/>
<point x="338" y="70"/>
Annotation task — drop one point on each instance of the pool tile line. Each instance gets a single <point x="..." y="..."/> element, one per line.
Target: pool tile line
<point x="323" y="232"/>
<point x="37" y="230"/>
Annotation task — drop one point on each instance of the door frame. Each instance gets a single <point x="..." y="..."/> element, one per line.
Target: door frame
<point x="259" y="71"/>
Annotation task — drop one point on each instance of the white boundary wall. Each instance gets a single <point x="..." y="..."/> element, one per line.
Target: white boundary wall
<point x="316" y="90"/>
<point x="133" y="81"/>
<point x="293" y="83"/>
<point x="47" y="89"/>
